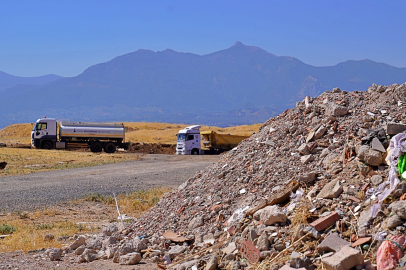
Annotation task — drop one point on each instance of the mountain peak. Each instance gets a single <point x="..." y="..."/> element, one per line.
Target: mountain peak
<point x="238" y="43"/>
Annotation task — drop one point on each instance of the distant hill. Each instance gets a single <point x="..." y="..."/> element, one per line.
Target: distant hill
<point x="239" y="85"/>
<point x="7" y="80"/>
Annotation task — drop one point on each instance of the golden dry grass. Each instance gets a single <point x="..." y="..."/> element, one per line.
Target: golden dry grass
<point x="24" y="161"/>
<point x="27" y="230"/>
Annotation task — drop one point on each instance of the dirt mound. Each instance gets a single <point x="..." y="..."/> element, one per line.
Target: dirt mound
<point x="152" y="148"/>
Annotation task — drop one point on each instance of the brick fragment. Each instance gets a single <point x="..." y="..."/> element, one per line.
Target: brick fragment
<point x="324" y="222"/>
<point x="361" y="241"/>
<point x="355" y="199"/>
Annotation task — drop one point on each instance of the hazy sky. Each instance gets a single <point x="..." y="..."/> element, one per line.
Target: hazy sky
<point x="66" y="37"/>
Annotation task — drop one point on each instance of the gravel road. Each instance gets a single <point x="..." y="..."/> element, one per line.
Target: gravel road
<point x="29" y="192"/>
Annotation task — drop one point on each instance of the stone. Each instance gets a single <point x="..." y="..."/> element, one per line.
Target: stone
<point x="398" y="208"/>
<point x="212" y="263"/>
<point x="313" y="232"/>
<point x="393" y="222"/>
<point x="175" y="251"/>
<point x="377" y="145"/>
<point x="49" y="237"/>
<point x="263" y="243"/>
<point x="336" y="90"/>
<point x="272" y="214"/>
<point x="88" y="255"/>
<point x="81" y="240"/>
<point x="54" y="254"/>
<point x="130" y="258"/>
<point x="287" y="267"/>
<point x="364" y="217"/>
<point x="369" y="156"/>
<point x="303" y="150"/>
<point x="80" y="250"/>
<point x="376" y="180"/>
<point x="332" y="243"/>
<point x="110" y="229"/>
<point x="331" y="190"/>
<point x="94" y="243"/>
<point x="320" y="132"/>
<point x="252" y="235"/>
<point x="345" y="259"/>
<point x="195" y="222"/>
<point x="306" y="159"/>
<point x="336" y="110"/>
<point x="230" y="248"/>
<point x="394" y="128"/>
<point x="307" y="177"/>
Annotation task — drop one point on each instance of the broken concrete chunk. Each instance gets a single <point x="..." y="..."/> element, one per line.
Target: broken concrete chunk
<point x="54" y="254"/>
<point x="320" y="132"/>
<point x="393" y="222"/>
<point x="307" y="177"/>
<point x="394" y="128"/>
<point x="332" y="243"/>
<point x="110" y="229"/>
<point x="212" y="263"/>
<point x="81" y="240"/>
<point x="336" y="110"/>
<point x="369" y="156"/>
<point x="272" y="214"/>
<point x="331" y="190"/>
<point x="130" y="258"/>
<point x="398" y="208"/>
<point x="175" y="251"/>
<point x="377" y="145"/>
<point x="230" y="248"/>
<point x="376" y="180"/>
<point x="196" y="222"/>
<point x="345" y="259"/>
<point x="303" y="150"/>
<point x="306" y="159"/>
<point x="263" y="243"/>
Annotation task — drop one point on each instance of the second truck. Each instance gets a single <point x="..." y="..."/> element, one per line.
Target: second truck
<point x="192" y="141"/>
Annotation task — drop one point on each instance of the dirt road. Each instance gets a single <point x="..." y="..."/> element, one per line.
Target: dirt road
<point x="28" y="192"/>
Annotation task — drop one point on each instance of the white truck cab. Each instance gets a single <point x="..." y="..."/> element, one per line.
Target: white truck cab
<point x="44" y="133"/>
<point x="188" y="142"/>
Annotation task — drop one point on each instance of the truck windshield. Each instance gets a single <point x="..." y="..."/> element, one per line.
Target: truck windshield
<point x="181" y="137"/>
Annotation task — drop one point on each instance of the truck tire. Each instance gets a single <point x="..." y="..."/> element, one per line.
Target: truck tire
<point x="46" y="145"/>
<point x="96" y="147"/>
<point x="110" y="148"/>
<point x="195" y="151"/>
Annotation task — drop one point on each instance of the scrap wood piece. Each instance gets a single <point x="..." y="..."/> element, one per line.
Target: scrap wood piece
<point x="250" y="252"/>
<point x="174" y="237"/>
<point x="280" y="197"/>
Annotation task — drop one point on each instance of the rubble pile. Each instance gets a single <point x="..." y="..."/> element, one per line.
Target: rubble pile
<point x="317" y="187"/>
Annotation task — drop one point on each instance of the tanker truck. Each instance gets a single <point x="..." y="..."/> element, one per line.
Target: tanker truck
<point x="193" y="142"/>
<point x="96" y="136"/>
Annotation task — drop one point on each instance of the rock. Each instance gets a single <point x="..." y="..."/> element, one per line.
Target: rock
<point x="369" y="156"/>
<point x="88" y="255"/>
<point x="175" y="251"/>
<point x="81" y="240"/>
<point x="130" y="258"/>
<point x="94" y="243"/>
<point x="110" y="229"/>
<point x="345" y="259"/>
<point x="377" y="145"/>
<point x="336" y="90"/>
<point x="272" y="214"/>
<point x="332" y="243"/>
<point x="212" y="263"/>
<point x="230" y="248"/>
<point x="80" y="250"/>
<point x="331" y="190"/>
<point x="319" y="132"/>
<point x="336" y="110"/>
<point x="195" y="222"/>
<point x="376" y="180"/>
<point x="49" y="237"/>
<point x="307" y="177"/>
<point x="306" y="159"/>
<point x="54" y="254"/>
<point x="263" y="243"/>
<point x="364" y="217"/>
<point x="3" y="165"/>
<point x="398" y="208"/>
<point x="303" y="150"/>
<point x="394" y="128"/>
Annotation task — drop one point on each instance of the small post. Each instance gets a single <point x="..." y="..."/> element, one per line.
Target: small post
<point x="118" y="210"/>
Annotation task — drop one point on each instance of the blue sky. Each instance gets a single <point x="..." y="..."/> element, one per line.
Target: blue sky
<point x="66" y="37"/>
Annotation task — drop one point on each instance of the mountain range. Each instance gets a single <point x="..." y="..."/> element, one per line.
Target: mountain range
<point x="239" y="85"/>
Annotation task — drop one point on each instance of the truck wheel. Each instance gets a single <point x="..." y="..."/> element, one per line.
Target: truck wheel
<point x="96" y="147"/>
<point x="47" y="145"/>
<point x="195" y="151"/>
<point x="110" y="148"/>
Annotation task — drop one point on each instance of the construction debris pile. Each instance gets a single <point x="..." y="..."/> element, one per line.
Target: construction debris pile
<point x="318" y="187"/>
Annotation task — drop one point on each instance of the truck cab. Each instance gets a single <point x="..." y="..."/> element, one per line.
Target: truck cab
<point x="188" y="142"/>
<point x="44" y="133"/>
